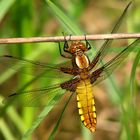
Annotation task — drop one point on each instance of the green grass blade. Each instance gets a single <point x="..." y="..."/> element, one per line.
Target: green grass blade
<point x="86" y="134"/>
<point x="5" y="6"/>
<point x="133" y="97"/>
<point x="65" y="21"/>
<point x="40" y="117"/>
<point x="133" y="72"/>
<point x="5" y="130"/>
<point x="35" y="124"/>
<point x="14" y="117"/>
<point x="53" y="133"/>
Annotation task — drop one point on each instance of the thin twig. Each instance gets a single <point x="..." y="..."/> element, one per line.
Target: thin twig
<point x="74" y="38"/>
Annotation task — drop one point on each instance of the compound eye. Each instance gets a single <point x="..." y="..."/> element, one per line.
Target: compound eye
<point x="82" y="47"/>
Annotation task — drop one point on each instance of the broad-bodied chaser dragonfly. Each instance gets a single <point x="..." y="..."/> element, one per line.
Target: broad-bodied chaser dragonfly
<point x="83" y="74"/>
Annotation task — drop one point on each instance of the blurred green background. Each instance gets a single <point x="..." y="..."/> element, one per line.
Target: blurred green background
<point x="117" y="99"/>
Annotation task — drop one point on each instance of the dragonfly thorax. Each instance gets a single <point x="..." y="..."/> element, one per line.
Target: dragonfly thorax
<point x="82" y="61"/>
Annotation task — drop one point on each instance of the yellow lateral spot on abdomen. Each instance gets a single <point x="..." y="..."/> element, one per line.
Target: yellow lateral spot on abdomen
<point x="86" y="104"/>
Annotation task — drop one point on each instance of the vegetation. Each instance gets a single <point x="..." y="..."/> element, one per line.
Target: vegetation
<point x="117" y="99"/>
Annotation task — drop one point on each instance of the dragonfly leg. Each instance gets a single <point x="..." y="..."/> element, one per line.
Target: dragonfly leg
<point x="87" y="43"/>
<point x="65" y="47"/>
<point x="60" y="51"/>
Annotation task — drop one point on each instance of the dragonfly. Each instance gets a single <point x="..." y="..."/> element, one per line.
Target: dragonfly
<point x="78" y="74"/>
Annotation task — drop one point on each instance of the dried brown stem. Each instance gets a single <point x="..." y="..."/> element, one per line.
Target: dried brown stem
<point x="61" y="38"/>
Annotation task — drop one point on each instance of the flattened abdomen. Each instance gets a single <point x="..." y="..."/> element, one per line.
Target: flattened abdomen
<point x="86" y="104"/>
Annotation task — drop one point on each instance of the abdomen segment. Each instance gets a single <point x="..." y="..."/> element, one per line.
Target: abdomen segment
<point x="86" y="104"/>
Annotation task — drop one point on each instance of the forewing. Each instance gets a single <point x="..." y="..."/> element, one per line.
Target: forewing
<point x="34" y="68"/>
<point x="107" y="69"/>
<point x="37" y="97"/>
<point x="104" y="48"/>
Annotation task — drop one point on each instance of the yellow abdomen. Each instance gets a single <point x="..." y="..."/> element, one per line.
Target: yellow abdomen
<point x="86" y="104"/>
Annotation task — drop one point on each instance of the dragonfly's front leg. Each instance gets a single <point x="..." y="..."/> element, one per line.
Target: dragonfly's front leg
<point x="60" y="51"/>
<point x="64" y="48"/>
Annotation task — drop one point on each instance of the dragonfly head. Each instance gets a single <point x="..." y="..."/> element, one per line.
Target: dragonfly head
<point x="76" y="46"/>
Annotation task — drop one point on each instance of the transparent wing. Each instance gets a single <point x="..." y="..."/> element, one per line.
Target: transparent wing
<point x="34" y="68"/>
<point x="40" y="96"/>
<point x="107" y="69"/>
<point x="37" y="97"/>
<point x="104" y="48"/>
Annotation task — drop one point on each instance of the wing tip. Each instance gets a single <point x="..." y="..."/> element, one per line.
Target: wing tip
<point x="7" y="55"/>
<point x="13" y="94"/>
